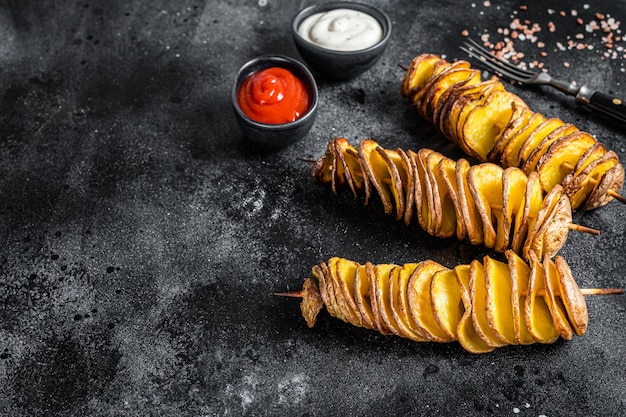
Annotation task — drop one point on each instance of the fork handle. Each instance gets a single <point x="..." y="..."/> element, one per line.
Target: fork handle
<point x="605" y="103"/>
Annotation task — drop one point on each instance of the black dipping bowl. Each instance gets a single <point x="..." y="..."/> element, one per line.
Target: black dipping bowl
<point x="276" y="135"/>
<point x="340" y="65"/>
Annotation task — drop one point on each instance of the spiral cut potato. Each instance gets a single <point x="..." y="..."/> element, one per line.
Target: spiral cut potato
<point x="498" y="208"/>
<point x="481" y="305"/>
<point x="492" y="124"/>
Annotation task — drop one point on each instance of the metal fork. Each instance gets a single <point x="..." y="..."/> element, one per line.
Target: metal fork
<point x="605" y="103"/>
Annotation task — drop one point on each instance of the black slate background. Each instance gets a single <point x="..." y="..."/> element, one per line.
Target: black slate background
<point x="141" y="237"/>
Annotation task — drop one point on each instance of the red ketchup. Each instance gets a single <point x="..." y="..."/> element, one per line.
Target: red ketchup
<point x="273" y="96"/>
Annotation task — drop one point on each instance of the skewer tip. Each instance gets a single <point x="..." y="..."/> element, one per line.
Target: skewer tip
<point x="307" y="161"/>
<point x="404" y="67"/>
<point x="601" y="291"/>
<point x="583" y="229"/>
<point x="293" y="294"/>
<point x="617" y="196"/>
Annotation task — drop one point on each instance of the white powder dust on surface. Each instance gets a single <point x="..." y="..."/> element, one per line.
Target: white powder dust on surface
<point x="293" y="390"/>
<point x="244" y="390"/>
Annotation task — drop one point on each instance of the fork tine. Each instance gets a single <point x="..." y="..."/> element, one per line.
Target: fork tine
<point x="507" y="69"/>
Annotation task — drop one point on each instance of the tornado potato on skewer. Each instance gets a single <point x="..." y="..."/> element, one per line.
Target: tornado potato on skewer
<point x="498" y="208"/>
<point x="481" y="305"/>
<point x="492" y="124"/>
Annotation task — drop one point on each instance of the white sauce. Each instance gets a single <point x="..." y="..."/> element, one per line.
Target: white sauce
<point x="341" y="30"/>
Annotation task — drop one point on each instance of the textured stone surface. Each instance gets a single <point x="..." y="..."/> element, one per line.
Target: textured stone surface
<point x="143" y="237"/>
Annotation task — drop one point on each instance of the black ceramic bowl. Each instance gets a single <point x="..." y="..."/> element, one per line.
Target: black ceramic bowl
<point x="340" y="65"/>
<point x="276" y="135"/>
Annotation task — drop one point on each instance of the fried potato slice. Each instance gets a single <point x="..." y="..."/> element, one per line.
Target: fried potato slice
<point x="420" y="71"/>
<point x="362" y="297"/>
<point x="377" y="169"/>
<point x="434" y="88"/>
<point x="320" y="272"/>
<point x="533" y="202"/>
<point x="445" y="218"/>
<point x="349" y="166"/>
<point x="399" y="303"/>
<point x="485" y="183"/>
<point x="511" y="151"/>
<point x="478" y="296"/>
<point x="383" y="296"/>
<point x="561" y="156"/>
<point x="459" y="100"/>
<point x="519" y="118"/>
<point x="537" y="312"/>
<point x="467" y="335"/>
<point x="573" y="298"/>
<point x="343" y="273"/>
<point x="447" y="171"/>
<point x="514" y="183"/>
<point x="550" y="229"/>
<point x="426" y="211"/>
<point x="591" y="155"/>
<point x="465" y="102"/>
<point x="541" y="149"/>
<point x="612" y="180"/>
<point x="553" y="233"/>
<point x="554" y="301"/>
<point x="443" y="103"/>
<point x="420" y="303"/>
<point x="397" y="174"/>
<point x="470" y="214"/>
<point x="447" y="306"/>
<point x="405" y="169"/>
<point x="404" y="280"/>
<point x="520" y="273"/>
<point x="535" y="137"/>
<point x="373" y="272"/>
<point x="312" y="302"/>
<point x="485" y="123"/>
<point x="580" y="188"/>
<point x="499" y="300"/>
<point x="336" y="294"/>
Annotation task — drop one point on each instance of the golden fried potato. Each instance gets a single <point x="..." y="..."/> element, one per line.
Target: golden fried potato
<point x="519" y="119"/>
<point x="537" y="312"/>
<point x="511" y="151"/>
<point x="542" y="148"/>
<point x="485" y="183"/>
<point x="561" y="156"/>
<point x="446" y="301"/>
<point x="467" y="335"/>
<point x="555" y="302"/>
<point x="520" y="274"/>
<point x="471" y="215"/>
<point x="536" y="136"/>
<point x="398" y="282"/>
<point x="572" y="297"/>
<point x="478" y="296"/>
<point x="420" y="302"/>
<point x="362" y="297"/>
<point x="485" y="123"/>
<point x="499" y="300"/>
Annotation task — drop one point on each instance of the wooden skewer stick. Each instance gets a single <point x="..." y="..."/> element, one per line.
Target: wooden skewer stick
<point x="601" y="291"/>
<point x="404" y="67"/>
<point x="571" y="226"/>
<point x="293" y="294"/>
<point x="583" y="229"/>
<point x="307" y="161"/>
